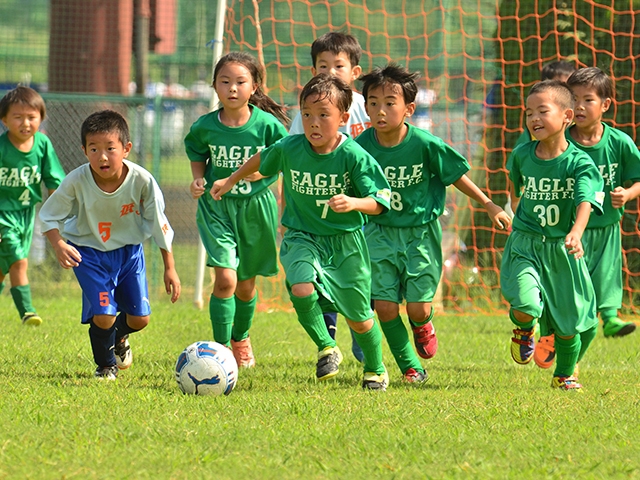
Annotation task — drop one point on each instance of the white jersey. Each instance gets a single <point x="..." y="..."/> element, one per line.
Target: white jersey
<point x="358" y="119"/>
<point x="90" y="217"/>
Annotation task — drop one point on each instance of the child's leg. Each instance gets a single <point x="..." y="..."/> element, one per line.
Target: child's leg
<point x="246" y="298"/>
<point x="370" y="340"/>
<point x="102" y="333"/>
<point x="331" y="322"/>
<point x="585" y="340"/>
<point x="222" y="304"/>
<point x="523" y="340"/>
<point x="567" y="354"/>
<point x="21" y="292"/>
<point x="613" y="326"/>
<point x="310" y="314"/>
<point x="424" y="333"/>
<point x="397" y="337"/>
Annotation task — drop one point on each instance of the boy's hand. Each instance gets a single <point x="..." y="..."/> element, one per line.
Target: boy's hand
<point x="573" y="243"/>
<point x="498" y="216"/>
<point x="619" y="197"/>
<point x="67" y="255"/>
<point x="172" y="284"/>
<point x="197" y="187"/>
<point x="341" y="203"/>
<point x="220" y="187"/>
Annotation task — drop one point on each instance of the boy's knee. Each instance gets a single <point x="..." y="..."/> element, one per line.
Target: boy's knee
<point x="360" y="327"/>
<point x="386" y="311"/>
<point x="137" y="323"/>
<point x="302" y="289"/>
<point x="419" y="312"/>
<point x="104" y="322"/>
<point x="521" y="317"/>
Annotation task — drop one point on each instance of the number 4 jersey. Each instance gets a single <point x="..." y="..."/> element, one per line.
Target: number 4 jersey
<point x="90" y="217"/>
<point x="550" y="190"/>
<point x="22" y="172"/>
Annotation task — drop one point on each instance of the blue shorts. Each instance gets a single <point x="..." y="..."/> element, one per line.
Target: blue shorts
<point x="112" y="282"/>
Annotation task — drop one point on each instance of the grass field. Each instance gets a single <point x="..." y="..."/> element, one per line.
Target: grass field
<point x="479" y="415"/>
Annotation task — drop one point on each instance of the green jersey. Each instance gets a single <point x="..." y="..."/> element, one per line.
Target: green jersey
<point x="618" y="159"/>
<point x="552" y="189"/>
<point x="225" y="149"/>
<point x="311" y="179"/>
<point x="22" y="172"/>
<point x="418" y="171"/>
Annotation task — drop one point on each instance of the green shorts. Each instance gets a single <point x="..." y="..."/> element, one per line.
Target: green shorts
<point x="406" y="262"/>
<point x="540" y="278"/>
<point x="240" y="233"/>
<point x="603" y="254"/>
<point x="337" y="265"/>
<point x="16" y="233"/>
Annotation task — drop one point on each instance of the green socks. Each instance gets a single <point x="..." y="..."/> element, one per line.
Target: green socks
<point x="22" y="298"/>
<point x="243" y="318"/>
<point x="371" y="344"/>
<point x="585" y="340"/>
<point x="310" y="317"/>
<point x="567" y="353"/>
<point x="222" y="312"/>
<point x="520" y="325"/>
<point x="398" y="339"/>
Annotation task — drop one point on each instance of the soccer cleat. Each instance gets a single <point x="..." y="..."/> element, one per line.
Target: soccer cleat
<point x="32" y="319"/>
<point x="614" y="327"/>
<point x="567" y="384"/>
<point x="523" y="345"/>
<point x="243" y="353"/>
<point x="106" y="373"/>
<point x="545" y="352"/>
<point x="375" y="381"/>
<point x="122" y="350"/>
<point x="328" y="361"/>
<point x="424" y="337"/>
<point x="414" y="376"/>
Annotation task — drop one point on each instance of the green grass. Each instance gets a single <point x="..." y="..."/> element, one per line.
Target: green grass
<point x="478" y="416"/>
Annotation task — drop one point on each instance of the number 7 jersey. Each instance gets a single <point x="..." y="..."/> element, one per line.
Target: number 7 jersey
<point x="550" y="190"/>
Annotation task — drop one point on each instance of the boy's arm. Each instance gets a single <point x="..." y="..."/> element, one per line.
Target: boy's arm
<point x="342" y="203"/>
<point x="498" y="216"/>
<point x="573" y="241"/>
<point x="222" y="186"/>
<point x="171" y="279"/>
<point x="67" y="255"/>
<point x="197" y="172"/>
<point x="620" y="195"/>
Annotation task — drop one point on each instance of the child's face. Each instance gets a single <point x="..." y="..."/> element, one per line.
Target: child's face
<point x="387" y="108"/>
<point x="589" y="107"/>
<point x="545" y="118"/>
<point x="321" y="120"/>
<point x="337" y="66"/>
<point x="22" y="121"/>
<point x="105" y="153"/>
<point x="234" y="86"/>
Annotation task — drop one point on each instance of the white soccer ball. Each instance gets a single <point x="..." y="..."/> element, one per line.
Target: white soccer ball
<point x="206" y="368"/>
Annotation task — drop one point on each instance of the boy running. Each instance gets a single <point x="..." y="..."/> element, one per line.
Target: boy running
<point x="330" y="183"/>
<point x="27" y="159"/>
<point x="543" y="275"/>
<point x="405" y="244"/>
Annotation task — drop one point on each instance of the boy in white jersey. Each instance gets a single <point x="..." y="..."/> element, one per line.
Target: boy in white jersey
<point x="405" y="244"/>
<point x="544" y="277"/>
<point x="330" y="183"/>
<point x="338" y="54"/>
<point x="96" y="222"/>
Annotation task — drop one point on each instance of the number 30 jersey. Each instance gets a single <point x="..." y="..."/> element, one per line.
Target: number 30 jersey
<point x="550" y="190"/>
<point x="90" y="217"/>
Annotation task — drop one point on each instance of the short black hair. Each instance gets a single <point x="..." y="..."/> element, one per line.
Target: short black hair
<point x="595" y="78"/>
<point x="328" y="86"/>
<point x="561" y="92"/>
<point x="558" y="68"/>
<point x="105" y="121"/>
<point x="336" y="43"/>
<point x="22" y="96"/>
<point x="392" y="74"/>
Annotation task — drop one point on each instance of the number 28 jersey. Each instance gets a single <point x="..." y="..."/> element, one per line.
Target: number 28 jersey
<point x="550" y="190"/>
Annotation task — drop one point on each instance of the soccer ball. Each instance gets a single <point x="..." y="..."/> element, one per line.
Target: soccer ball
<point x="206" y="368"/>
